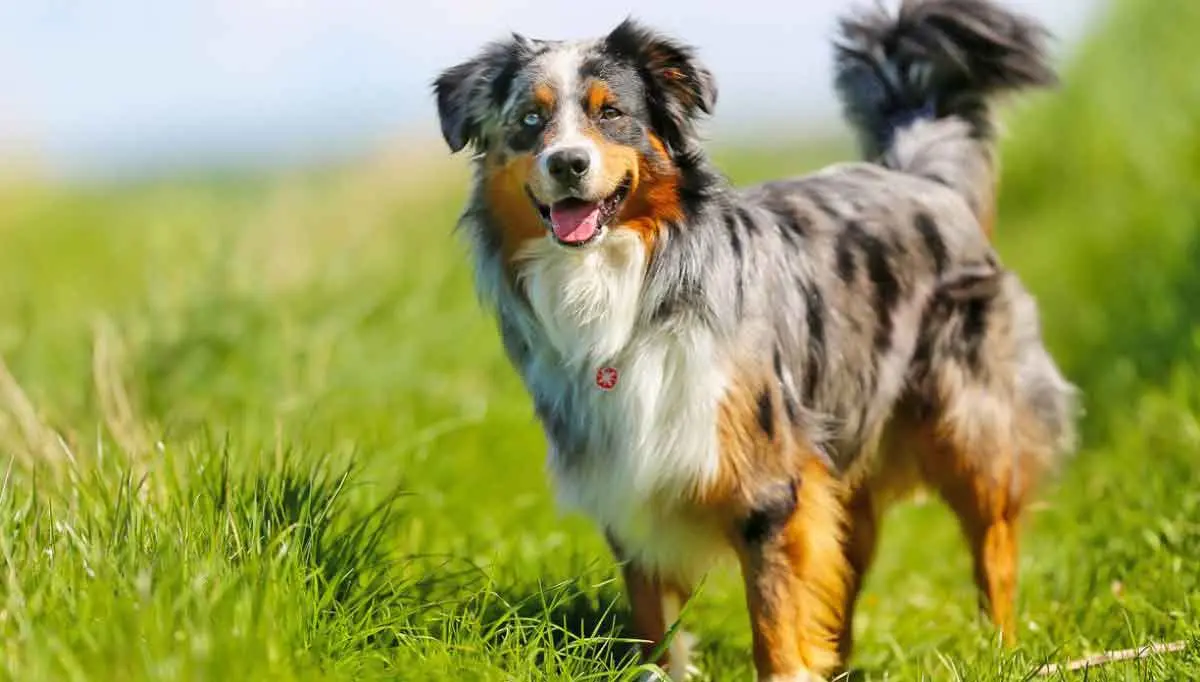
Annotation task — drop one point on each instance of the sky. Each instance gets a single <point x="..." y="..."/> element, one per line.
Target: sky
<point x="96" y="87"/>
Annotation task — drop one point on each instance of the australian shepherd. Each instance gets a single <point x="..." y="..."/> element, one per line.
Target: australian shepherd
<point x="765" y="369"/>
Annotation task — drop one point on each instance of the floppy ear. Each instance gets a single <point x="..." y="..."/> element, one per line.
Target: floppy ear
<point x="468" y="92"/>
<point x="678" y="87"/>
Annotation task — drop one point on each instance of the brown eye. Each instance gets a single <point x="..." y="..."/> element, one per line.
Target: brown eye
<point x="610" y="113"/>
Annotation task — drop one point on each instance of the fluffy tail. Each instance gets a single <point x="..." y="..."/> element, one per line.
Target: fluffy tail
<point x="917" y="87"/>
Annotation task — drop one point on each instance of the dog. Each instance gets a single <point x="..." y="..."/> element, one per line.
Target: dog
<point x="760" y="371"/>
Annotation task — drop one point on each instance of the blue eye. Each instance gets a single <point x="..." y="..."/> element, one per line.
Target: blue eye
<point x="532" y="119"/>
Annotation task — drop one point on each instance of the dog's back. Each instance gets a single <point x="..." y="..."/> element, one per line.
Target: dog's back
<point x="905" y="303"/>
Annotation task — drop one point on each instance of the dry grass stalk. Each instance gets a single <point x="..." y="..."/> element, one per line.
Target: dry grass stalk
<point x="1111" y="657"/>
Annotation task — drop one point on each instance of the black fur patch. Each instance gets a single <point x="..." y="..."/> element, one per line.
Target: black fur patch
<point x="766" y="414"/>
<point x="698" y="183"/>
<point x="665" y="309"/>
<point x="792" y="225"/>
<point x="735" y="236"/>
<point x="815" y="195"/>
<point x="933" y="240"/>
<point x="791" y="236"/>
<point x="524" y="138"/>
<point x="815" y="317"/>
<point x="771" y="514"/>
<point x="747" y="219"/>
<point x="887" y="288"/>
<point x="845" y="256"/>
<point x="923" y="352"/>
<point x="974" y="328"/>
<point x="501" y="84"/>
<point x="735" y="242"/>
<point x="687" y="296"/>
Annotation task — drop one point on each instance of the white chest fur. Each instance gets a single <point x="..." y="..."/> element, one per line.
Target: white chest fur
<point x="656" y="425"/>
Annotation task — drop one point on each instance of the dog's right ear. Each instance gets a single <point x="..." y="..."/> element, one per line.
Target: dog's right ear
<point x="468" y="92"/>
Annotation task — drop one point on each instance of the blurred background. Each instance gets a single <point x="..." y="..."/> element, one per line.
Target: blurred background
<point x="127" y="87"/>
<point x="228" y="276"/>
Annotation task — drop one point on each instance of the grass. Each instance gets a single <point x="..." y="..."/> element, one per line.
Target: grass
<point x="258" y="428"/>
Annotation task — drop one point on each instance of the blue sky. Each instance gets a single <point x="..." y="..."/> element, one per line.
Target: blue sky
<point x="100" y="86"/>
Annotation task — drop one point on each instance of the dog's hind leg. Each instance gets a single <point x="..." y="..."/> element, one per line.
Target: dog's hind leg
<point x="988" y="507"/>
<point x="963" y="452"/>
<point x="862" y="517"/>
<point x="988" y="485"/>
<point x="996" y="415"/>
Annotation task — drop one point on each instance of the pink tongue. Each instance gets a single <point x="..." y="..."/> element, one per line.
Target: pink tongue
<point x="575" y="222"/>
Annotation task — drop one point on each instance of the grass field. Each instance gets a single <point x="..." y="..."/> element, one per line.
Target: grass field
<point x="259" y="429"/>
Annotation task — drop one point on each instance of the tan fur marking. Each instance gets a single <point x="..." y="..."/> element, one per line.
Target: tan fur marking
<point x="749" y="458"/>
<point x="654" y="189"/>
<point x="514" y="213"/>
<point x="598" y="95"/>
<point x="543" y="96"/>
<point x="619" y="160"/>
<point x="987" y="513"/>
<point x="654" y="199"/>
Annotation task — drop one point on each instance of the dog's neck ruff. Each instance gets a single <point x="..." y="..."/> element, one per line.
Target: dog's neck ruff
<point x="586" y="300"/>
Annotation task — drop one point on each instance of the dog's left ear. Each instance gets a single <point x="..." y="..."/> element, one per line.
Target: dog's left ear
<point x="467" y="93"/>
<point x="679" y="88"/>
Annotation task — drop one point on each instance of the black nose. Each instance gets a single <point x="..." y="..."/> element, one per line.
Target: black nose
<point x="568" y="165"/>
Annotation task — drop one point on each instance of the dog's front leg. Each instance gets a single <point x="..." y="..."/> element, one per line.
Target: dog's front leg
<point x="655" y="605"/>
<point x="795" y="574"/>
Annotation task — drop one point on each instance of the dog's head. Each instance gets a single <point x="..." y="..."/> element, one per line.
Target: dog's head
<point x="578" y="137"/>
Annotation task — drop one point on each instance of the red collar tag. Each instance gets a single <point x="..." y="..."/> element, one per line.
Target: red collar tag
<point x="606" y="378"/>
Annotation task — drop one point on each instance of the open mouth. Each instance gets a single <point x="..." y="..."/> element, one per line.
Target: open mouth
<point x="575" y="222"/>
